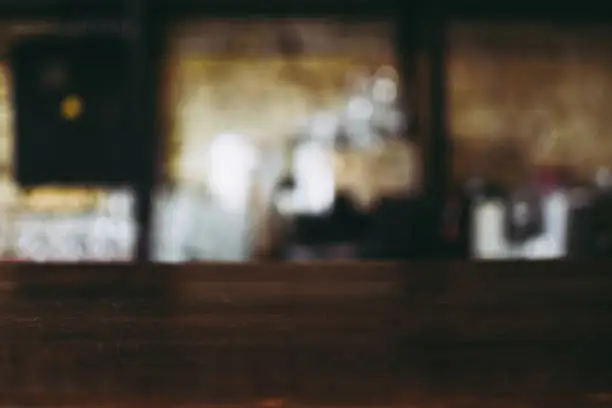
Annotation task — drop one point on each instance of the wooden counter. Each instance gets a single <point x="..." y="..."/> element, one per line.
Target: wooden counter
<point x="327" y="332"/>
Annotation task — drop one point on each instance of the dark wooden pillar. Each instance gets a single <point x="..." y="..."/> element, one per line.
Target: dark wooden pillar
<point x="437" y="151"/>
<point x="144" y="46"/>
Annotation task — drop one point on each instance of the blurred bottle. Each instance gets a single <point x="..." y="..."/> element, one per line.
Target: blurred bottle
<point x="388" y="119"/>
<point x="358" y="115"/>
<point x="485" y="212"/>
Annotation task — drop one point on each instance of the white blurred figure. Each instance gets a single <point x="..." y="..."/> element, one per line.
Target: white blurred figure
<point x="489" y="240"/>
<point x="315" y="186"/>
<point x="221" y="228"/>
<point x="385" y="86"/>
<point x="556" y="215"/>
<point x="231" y="161"/>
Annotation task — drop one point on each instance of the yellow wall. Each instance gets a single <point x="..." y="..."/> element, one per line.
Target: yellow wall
<point x="522" y="94"/>
<point x="250" y="88"/>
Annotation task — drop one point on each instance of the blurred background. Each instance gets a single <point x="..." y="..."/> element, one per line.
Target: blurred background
<point x="272" y="124"/>
<point x="265" y="123"/>
<point x="300" y="139"/>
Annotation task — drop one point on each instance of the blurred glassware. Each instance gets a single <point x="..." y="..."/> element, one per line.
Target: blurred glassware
<point x="231" y="161"/>
<point x="313" y="170"/>
<point x="359" y="110"/>
<point x="489" y="239"/>
<point x="387" y="116"/>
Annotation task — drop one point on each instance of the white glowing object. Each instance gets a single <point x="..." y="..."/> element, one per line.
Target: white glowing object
<point x="385" y="87"/>
<point x="489" y="241"/>
<point x="556" y="212"/>
<point x="231" y="160"/>
<point x="313" y="171"/>
<point x="384" y="91"/>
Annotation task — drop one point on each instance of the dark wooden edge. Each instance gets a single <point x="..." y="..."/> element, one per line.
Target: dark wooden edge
<point x="542" y="10"/>
<point x="307" y="272"/>
<point x="438" y="284"/>
<point x="172" y="283"/>
<point x="210" y="271"/>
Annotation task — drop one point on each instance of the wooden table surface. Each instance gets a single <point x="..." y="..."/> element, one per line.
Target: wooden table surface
<point x="278" y="335"/>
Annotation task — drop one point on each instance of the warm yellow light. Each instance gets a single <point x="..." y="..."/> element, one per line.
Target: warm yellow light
<point x="72" y="107"/>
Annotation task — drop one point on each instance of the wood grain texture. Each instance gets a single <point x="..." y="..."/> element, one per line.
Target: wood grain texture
<point x="374" y="333"/>
<point x="177" y="332"/>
